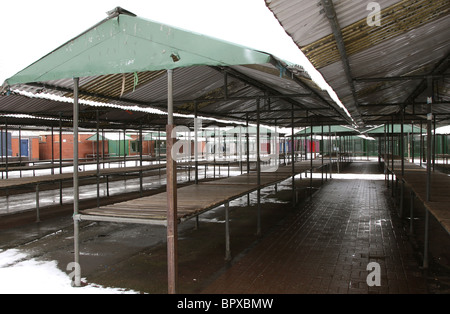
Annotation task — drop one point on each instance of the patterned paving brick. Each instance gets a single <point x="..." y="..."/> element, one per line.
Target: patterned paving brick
<point x="326" y="245"/>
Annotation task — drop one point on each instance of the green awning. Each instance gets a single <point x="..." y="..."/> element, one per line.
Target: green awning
<point x="125" y="43"/>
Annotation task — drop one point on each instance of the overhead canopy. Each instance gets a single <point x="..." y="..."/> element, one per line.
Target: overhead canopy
<point x="123" y="61"/>
<point x="376" y="69"/>
<point x="338" y="129"/>
<point x="407" y="128"/>
<point x="124" y="43"/>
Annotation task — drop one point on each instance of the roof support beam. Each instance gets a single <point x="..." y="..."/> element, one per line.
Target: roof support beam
<point x="400" y="78"/>
<point x="332" y="18"/>
<point x="440" y="68"/>
<point x="401" y="104"/>
<point x="315" y="93"/>
<point x="256" y="84"/>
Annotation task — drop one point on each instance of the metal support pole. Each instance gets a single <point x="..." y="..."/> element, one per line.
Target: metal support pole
<point x="402" y="158"/>
<point x="434" y="143"/>
<point x="60" y="159"/>
<point x="385" y="160"/>
<point x="6" y="147"/>
<point x="240" y="149"/>
<point x="172" y="219"/>
<point x="306" y="142"/>
<point x="140" y="147"/>
<point x="38" y="215"/>
<point x="428" y="183"/>
<point x="75" y="178"/>
<point x="429" y="137"/>
<point x="421" y="155"/>
<point x="125" y="150"/>
<point x="227" y="232"/>
<point x="392" y="156"/>
<point x="159" y="150"/>
<point x="330" y="145"/>
<point x="258" y="168"/>
<point x="53" y="151"/>
<point x="20" y="149"/>
<point x="248" y="152"/>
<point x="321" y="153"/>
<point x="412" y="142"/>
<point x="292" y="157"/>
<point x="338" y="152"/>
<point x="311" y="159"/>
<point x="411" y="213"/>
<point x="196" y="124"/>
<point x="98" y="157"/>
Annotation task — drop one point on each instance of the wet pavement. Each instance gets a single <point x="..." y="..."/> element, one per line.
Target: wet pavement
<point x="324" y="245"/>
<point x="327" y="246"/>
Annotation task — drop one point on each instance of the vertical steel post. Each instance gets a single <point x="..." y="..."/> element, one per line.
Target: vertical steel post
<point x="240" y="149"/>
<point x="421" y="155"/>
<point x="429" y="136"/>
<point x="103" y="149"/>
<point x="196" y="141"/>
<point x="172" y="219"/>
<point x="306" y="142"/>
<point x="141" y="148"/>
<point x="311" y="159"/>
<point x="292" y="156"/>
<point x="6" y="147"/>
<point x="411" y="213"/>
<point x="428" y="183"/>
<point x="258" y="167"/>
<point x="392" y="156"/>
<point x="321" y="152"/>
<point x="247" y="142"/>
<point x="412" y="142"/>
<point x="75" y="176"/>
<point x="385" y="156"/>
<point x="124" y="150"/>
<point x="331" y="152"/>
<point x="20" y="149"/>
<point x="60" y="159"/>
<point x="402" y="159"/>
<point x="38" y="215"/>
<point x="53" y="151"/>
<point x="97" y="158"/>
<point x="338" y="151"/>
<point x="227" y="232"/>
<point x="434" y="142"/>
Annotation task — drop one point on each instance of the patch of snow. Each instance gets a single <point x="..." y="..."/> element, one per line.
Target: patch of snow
<point x="22" y="275"/>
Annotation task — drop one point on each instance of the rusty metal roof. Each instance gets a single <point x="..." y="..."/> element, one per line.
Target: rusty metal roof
<point x="376" y="70"/>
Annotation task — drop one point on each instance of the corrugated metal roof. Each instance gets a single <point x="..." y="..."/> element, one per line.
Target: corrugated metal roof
<point x="413" y="39"/>
<point x="249" y="75"/>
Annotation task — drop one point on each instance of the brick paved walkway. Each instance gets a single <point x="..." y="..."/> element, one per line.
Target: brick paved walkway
<point x="325" y="247"/>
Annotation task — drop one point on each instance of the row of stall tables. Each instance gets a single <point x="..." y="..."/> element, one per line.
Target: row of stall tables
<point x="194" y="199"/>
<point x="56" y="164"/>
<point x="415" y="178"/>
